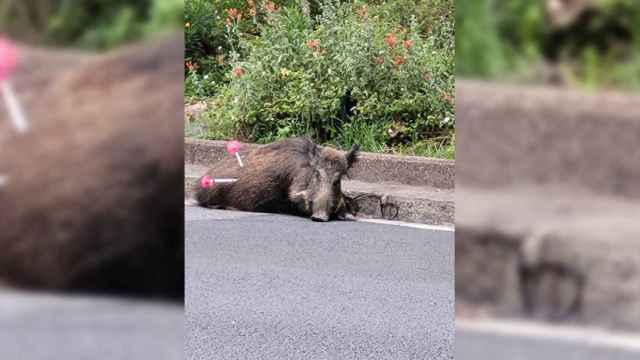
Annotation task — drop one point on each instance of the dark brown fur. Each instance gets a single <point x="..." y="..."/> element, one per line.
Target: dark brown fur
<point x="293" y="176"/>
<point x="94" y="194"/>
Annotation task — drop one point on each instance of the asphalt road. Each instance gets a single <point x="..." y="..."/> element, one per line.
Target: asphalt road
<point x="263" y="286"/>
<point x="498" y="340"/>
<point x="38" y="326"/>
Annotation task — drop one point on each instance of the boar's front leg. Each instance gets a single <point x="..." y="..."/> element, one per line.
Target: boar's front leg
<point x="344" y="210"/>
<point x="341" y="208"/>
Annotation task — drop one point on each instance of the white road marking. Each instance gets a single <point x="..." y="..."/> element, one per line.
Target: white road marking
<point x="407" y="224"/>
<point x="191" y="202"/>
<point x="574" y="334"/>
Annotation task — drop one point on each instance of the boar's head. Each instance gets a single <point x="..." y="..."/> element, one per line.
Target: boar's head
<point x="324" y="193"/>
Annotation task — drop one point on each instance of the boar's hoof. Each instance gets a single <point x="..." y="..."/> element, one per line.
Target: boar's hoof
<point x="323" y="217"/>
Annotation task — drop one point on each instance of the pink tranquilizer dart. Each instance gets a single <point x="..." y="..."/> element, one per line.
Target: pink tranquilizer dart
<point x="8" y="64"/>
<point x="233" y="148"/>
<point x="207" y="181"/>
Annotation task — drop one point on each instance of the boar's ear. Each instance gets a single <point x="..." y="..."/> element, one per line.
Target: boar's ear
<point x="352" y="155"/>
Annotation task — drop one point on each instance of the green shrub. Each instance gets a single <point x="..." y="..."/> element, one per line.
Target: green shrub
<point x="350" y="74"/>
<point x="97" y="24"/>
<point x="480" y="53"/>
<point x="205" y="43"/>
<point x="209" y="41"/>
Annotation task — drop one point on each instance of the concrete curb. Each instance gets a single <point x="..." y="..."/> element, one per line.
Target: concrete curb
<point x="421" y="205"/>
<point x="563" y="247"/>
<point x="424" y="207"/>
<point x="542" y="253"/>
<point x="372" y="168"/>
<point x="546" y="134"/>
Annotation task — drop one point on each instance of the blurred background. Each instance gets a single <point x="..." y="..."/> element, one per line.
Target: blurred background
<point x="586" y="44"/>
<point x="548" y="122"/>
<point x="91" y="193"/>
<point x="97" y="24"/>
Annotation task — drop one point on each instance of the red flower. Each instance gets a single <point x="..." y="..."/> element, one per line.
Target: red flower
<point x="238" y="72"/>
<point x="398" y="60"/>
<point x="233" y="14"/>
<point x="446" y="97"/>
<point x="391" y="40"/>
<point x="313" y="44"/>
<point x="407" y="44"/>
<point x="270" y="7"/>
<point x="191" y="66"/>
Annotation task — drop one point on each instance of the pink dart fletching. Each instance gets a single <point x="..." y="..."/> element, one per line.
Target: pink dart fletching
<point x="8" y="59"/>
<point x="233" y="147"/>
<point x="206" y="182"/>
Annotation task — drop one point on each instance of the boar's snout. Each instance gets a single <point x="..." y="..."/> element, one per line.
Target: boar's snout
<point x="322" y="201"/>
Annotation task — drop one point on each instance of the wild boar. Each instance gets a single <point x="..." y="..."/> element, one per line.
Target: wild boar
<point x="292" y="176"/>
